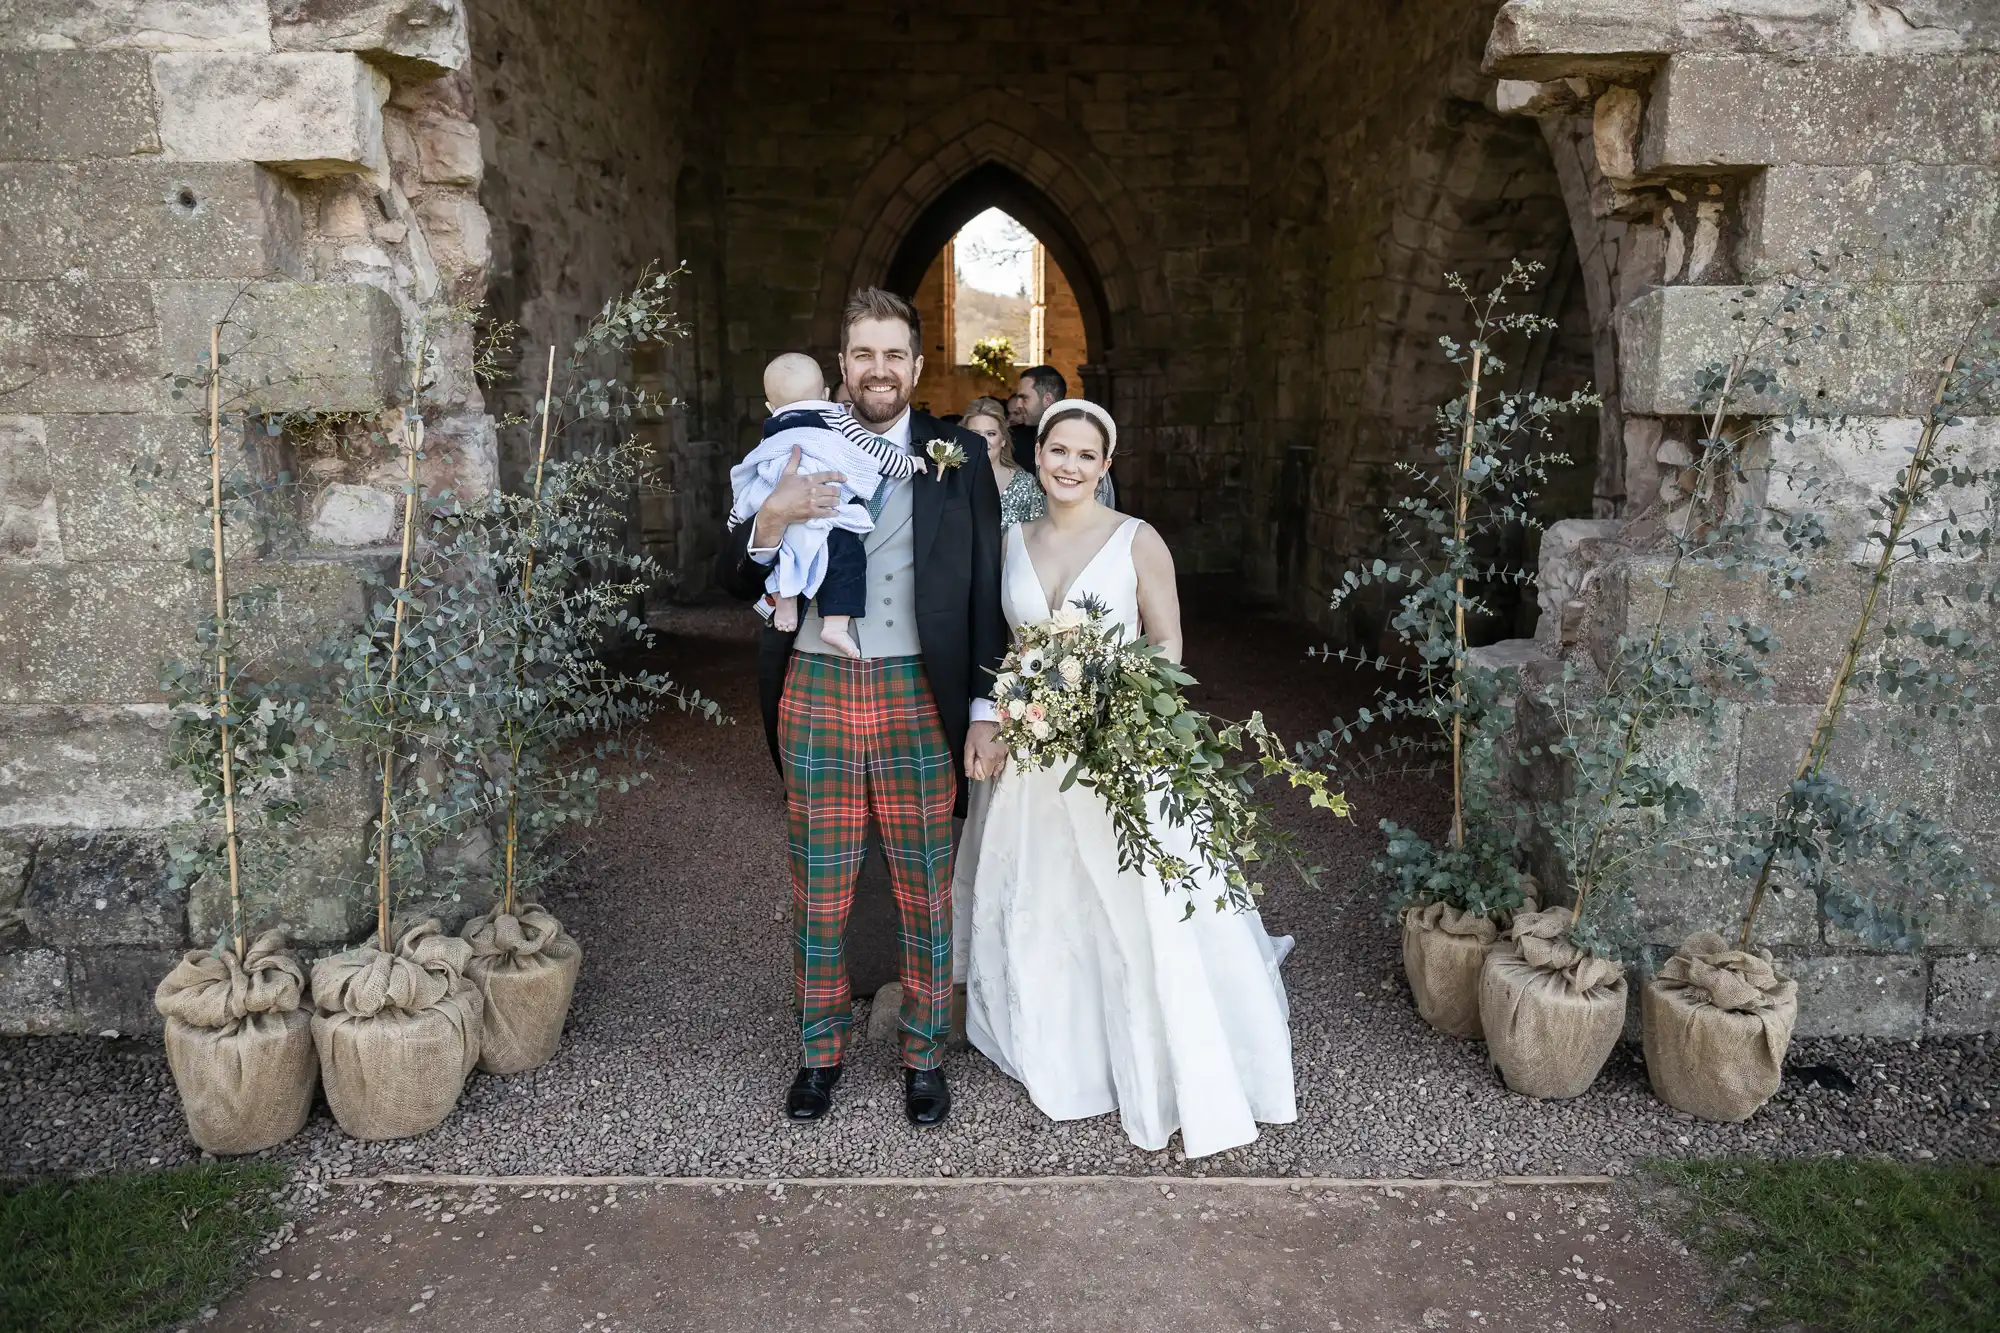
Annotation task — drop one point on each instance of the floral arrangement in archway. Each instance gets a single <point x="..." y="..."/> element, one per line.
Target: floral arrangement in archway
<point x="993" y="356"/>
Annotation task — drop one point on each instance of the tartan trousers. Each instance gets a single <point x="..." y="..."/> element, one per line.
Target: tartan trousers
<point x="862" y="738"/>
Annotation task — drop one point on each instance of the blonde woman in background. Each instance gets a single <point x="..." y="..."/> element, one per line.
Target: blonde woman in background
<point x="1021" y="498"/>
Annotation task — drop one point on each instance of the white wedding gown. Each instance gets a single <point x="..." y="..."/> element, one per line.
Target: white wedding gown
<point x="1084" y="983"/>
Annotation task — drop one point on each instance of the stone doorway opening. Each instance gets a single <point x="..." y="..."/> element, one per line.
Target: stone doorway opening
<point x="994" y="227"/>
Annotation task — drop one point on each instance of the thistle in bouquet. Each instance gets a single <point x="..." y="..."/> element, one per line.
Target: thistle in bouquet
<point x="1076" y="688"/>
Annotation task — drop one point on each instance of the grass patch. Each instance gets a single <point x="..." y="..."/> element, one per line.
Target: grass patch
<point x="1846" y="1245"/>
<point x="131" y="1252"/>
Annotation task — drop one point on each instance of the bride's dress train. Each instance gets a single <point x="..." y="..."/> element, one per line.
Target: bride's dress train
<point x="1084" y="982"/>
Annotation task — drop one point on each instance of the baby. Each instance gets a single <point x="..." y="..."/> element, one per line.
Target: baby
<point x="822" y="558"/>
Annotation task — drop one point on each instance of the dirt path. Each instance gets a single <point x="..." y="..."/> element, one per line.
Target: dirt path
<point x="1128" y="1256"/>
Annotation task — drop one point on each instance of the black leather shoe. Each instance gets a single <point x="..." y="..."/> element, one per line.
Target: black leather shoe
<point x="925" y="1096"/>
<point x="811" y="1096"/>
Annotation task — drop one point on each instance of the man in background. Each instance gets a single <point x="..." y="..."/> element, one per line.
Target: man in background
<point x="1039" y="389"/>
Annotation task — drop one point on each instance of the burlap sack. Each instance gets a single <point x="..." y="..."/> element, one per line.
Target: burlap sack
<point x="525" y="967"/>
<point x="239" y="1045"/>
<point x="1443" y="951"/>
<point x="397" y="1032"/>
<point x="1716" y="1023"/>
<point x="1551" y="1012"/>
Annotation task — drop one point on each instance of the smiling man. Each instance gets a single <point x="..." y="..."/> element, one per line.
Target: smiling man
<point x="892" y="735"/>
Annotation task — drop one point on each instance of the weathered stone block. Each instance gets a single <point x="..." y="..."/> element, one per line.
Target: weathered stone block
<point x="1867" y="995"/>
<point x="1895" y="338"/>
<point x="90" y="890"/>
<point x="34" y="992"/>
<point x="316" y="885"/>
<point x="1910" y="223"/>
<point x="15" y="854"/>
<point x="312" y="115"/>
<point x="63" y="106"/>
<point x="28" y="528"/>
<point x="99" y="767"/>
<point x="448" y="152"/>
<point x="153" y="25"/>
<point x="73" y="346"/>
<point x="412" y="39"/>
<point x="350" y="515"/>
<point x="1965" y="995"/>
<point x="1678" y="901"/>
<point x="1545" y="39"/>
<point x="143" y="219"/>
<point x="98" y="633"/>
<point x="334" y="347"/>
<point x="86" y="347"/>
<point x="102" y="515"/>
<point x="111" y="990"/>
<point x="1726" y="110"/>
<point x="1849" y="466"/>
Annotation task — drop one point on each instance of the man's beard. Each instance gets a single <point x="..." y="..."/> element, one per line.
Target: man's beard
<point x="863" y="407"/>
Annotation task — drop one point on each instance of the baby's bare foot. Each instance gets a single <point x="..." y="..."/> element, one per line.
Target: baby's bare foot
<point x="834" y="632"/>
<point x="786" y="615"/>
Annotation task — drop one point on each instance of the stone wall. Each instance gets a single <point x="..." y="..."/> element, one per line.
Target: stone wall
<point x="1703" y="147"/>
<point x="848" y="121"/>
<point x="1255" y="203"/>
<point x="307" y="168"/>
<point x="1378" y="168"/>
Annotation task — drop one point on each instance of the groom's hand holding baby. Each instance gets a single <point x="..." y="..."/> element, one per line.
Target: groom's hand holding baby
<point x="798" y="496"/>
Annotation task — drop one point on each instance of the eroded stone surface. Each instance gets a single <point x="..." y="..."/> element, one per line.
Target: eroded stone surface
<point x="310" y="114"/>
<point x="98" y="889"/>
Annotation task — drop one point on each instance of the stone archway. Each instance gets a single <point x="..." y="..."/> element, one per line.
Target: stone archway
<point x="993" y="146"/>
<point x="994" y="185"/>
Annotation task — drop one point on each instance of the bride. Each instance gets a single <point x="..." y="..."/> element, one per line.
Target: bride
<point x="1084" y="982"/>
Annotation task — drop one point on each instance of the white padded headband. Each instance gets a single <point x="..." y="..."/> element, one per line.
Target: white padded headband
<point x="1089" y="409"/>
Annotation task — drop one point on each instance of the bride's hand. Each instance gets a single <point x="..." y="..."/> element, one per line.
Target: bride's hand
<point x="985" y="752"/>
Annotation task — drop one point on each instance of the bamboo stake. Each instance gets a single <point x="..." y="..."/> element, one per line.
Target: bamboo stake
<point x="216" y="552"/>
<point x="1458" y="611"/>
<point x="527" y="579"/>
<point x="413" y="439"/>
<point x="1836" y="697"/>
<point x="1587" y="881"/>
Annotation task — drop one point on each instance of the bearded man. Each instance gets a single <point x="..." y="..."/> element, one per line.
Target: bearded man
<point x="889" y="736"/>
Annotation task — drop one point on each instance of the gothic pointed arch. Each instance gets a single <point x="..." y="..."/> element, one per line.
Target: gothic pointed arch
<point x="995" y="148"/>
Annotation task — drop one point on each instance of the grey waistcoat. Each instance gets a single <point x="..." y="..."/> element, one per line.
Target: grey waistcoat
<point x="890" y="627"/>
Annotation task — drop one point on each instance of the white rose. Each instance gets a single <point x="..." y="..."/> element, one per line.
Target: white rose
<point x="1068" y="618"/>
<point x="1040" y="730"/>
<point x="1072" y="670"/>
<point x="1015" y="709"/>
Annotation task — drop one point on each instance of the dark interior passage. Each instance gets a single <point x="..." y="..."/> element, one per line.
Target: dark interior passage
<point x="1254" y="207"/>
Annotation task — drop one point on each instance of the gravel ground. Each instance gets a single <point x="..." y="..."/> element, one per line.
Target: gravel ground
<point x="680" y="1043"/>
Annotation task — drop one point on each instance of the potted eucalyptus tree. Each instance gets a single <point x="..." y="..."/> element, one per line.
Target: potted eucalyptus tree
<point x="555" y="585"/>
<point x="1717" y="1019"/>
<point x="1452" y="901"/>
<point x="237" y="1038"/>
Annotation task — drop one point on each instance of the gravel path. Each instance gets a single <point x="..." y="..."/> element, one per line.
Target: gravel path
<point x="680" y="1044"/>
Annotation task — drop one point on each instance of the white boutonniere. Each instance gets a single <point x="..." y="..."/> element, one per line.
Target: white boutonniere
<point x="945" y="455"/>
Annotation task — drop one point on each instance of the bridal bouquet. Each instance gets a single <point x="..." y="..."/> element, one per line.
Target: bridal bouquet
<point x="1076" y="689"/>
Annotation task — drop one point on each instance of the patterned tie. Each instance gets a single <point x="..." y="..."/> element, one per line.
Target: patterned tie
<point x="881" y="496"/>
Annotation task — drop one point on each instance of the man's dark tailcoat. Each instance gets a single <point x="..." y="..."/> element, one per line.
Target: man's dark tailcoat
<point x="955" y="529"/>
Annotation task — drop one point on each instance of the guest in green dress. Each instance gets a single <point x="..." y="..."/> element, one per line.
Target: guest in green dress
<point x="1021" y="497"/>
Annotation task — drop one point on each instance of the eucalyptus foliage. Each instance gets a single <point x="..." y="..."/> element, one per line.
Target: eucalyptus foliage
<point x="243" y="733"/>
<point x="503" y="717"/>
<point x="531" y="592"/>
<point x="1441" y="708"/>
<point x="1879" y="867"/>
<point x="1623" y="806"/>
